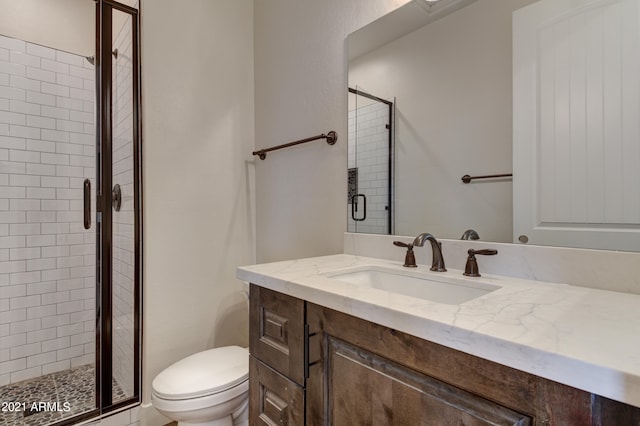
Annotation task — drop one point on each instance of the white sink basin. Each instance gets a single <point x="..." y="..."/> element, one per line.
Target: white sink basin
<point x="448" y="290"/>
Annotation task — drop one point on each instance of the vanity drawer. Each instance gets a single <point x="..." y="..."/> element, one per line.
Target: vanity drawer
<point x="277" y="331"/>
<point x="273" y="399"/>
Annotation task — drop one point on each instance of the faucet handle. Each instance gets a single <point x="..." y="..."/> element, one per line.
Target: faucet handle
<point x="409" y="258"/>
<point x="471" y="268"/>
<point x="483" y="251"/>
<point x="401" y="244"/>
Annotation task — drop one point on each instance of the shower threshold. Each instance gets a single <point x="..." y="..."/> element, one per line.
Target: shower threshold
<point x="53" y="397"/>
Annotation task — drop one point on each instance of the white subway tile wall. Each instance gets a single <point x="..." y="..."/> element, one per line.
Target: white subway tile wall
<point x="368" y="151"/>
<point x="123" y="221"/>
<point x="47" y="258"/>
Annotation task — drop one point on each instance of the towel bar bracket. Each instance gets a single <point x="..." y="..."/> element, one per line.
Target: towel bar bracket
<point x="332" y="137"/>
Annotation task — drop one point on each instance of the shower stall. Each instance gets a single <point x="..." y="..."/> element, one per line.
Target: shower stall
<point x="70" y="272"/>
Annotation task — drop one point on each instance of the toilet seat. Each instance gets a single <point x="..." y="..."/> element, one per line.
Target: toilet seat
<point x="193" y="404"/>
<point x="204" y="374"/>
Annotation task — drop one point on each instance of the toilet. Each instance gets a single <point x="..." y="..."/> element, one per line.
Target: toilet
<point x="209" y="388"/>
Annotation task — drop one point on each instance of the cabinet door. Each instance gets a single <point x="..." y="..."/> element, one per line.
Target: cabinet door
<point x="273" y="399"/>
<point x="276" y="335"/>
<point x="363" y="388"/>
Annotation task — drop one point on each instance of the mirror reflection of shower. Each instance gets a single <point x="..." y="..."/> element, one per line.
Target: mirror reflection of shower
<point x="370" y="163"/>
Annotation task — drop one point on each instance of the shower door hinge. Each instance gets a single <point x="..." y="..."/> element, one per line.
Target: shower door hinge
<point x="99" y="203"/>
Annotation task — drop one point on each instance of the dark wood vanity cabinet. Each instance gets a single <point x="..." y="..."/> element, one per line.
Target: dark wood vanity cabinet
<point x="277" y="360"/>
<point x="311" y="365"/>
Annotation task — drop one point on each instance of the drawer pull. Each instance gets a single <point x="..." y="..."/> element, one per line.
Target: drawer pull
<point x="307" y="362"/>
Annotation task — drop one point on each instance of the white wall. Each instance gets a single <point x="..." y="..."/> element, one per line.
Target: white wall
<point x="442" y="77"/>
<point x="301" y="91"/>
<point x="55" y="24"/>
<point x="197" y="141"/>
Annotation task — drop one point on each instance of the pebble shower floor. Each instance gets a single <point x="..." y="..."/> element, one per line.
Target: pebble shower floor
<point x="75" y="387"/>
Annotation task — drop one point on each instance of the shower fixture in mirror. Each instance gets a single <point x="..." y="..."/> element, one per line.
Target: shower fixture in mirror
<point x="548" y="90"/>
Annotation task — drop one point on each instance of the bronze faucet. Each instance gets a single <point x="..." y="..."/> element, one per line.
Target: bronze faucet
<point x="437" y="262"/>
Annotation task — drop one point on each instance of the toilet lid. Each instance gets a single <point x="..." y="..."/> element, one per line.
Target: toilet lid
<point x="203" y="373"/>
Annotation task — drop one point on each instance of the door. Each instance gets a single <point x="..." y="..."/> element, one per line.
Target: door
<point x="576" y="134"/>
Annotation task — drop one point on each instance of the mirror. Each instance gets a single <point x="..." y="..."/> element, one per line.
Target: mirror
<point x="448" y="67"/>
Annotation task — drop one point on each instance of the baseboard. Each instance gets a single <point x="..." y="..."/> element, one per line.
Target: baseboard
<point x="149" y="416"/>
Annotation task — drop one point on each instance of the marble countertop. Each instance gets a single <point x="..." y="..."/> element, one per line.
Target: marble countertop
<point x="585" y="338"/>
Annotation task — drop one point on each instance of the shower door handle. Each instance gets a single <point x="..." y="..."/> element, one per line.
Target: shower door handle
<point x="87" y="203"/>
<point x="354" y="207"/>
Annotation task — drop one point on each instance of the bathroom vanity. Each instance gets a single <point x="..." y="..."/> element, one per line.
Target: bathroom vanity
<point x="326" y="351"/>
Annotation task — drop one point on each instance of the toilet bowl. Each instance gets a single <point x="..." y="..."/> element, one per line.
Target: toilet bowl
<point x="209" y="388"/>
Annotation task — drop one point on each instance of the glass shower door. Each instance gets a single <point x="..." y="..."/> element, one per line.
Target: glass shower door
<point x="124" y="192"/>
<point x="69" y="247"/>
<point x="120" y="189"/>
<point x="47" y="255"/>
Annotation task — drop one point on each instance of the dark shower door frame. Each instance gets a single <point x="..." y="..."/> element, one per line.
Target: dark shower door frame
<point x="104" y="183"/>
